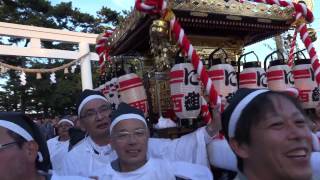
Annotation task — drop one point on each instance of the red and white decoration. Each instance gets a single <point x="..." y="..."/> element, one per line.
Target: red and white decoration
<point x="302" y="11"/>
<point x="224" y="78"/>
<point x="252" y="77"/>
<point x="102" y="49"/>
<point x="205" y="112"/>
<point x="111" y="92"/>
<point x="305" y="82"/>
<point x="132" y="91"/>
<point x="279" y="75"/>
<point x="160" y="7"/>
<point x="280" y="78"/>
<point x="185" y="91"/>
<point x="292" y="48"/>
<point x="127" y="88"/>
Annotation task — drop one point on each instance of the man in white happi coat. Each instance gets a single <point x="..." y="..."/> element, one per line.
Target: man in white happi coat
<point x="94" y="151"/>
<point x="23" y="151"/>
<point x="58" y="146"/>
<point x="129" y="138"/>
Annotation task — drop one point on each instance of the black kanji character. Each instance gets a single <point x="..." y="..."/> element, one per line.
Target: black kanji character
<point x="190" y="77"/>
<point x="192" y="101"/>
<point x="316" y="94"/>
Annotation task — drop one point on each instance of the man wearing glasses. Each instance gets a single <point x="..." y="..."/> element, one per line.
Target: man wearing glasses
<point x="94" y="151"/>
<point x="23" y="152"/>
<point x="129" y="138"/>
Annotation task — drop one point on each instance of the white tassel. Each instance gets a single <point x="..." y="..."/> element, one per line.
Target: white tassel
<point x="23" y="79"/>
<point x="73" y="68"/>
<point x="39" y="76"/>
<point x="53" y="78"/>
<point x="66" y="71"/>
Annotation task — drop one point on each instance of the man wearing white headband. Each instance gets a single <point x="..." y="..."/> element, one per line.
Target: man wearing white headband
<point x="129" y="138"/>
<point x="58" y="146"/>
<point x="94" y="152"/>
<point x="23" y="150"/>
<point x="268" y="131"/>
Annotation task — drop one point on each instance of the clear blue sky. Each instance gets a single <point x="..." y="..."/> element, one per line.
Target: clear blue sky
<point x="93" y="6"/>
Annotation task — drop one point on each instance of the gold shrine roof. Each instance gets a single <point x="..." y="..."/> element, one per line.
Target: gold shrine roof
<point x="245" y="23"/>
<point x="235" y="8"/>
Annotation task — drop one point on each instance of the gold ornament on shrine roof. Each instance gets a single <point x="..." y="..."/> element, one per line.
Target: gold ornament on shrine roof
<point x="312" y="34"/>
<point x="160" y="28"/>
<point x="235" y="8"/>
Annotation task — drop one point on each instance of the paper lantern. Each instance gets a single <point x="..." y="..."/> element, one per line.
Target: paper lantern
<point x="132" y="91"/>
<point x="279" y="75"/>
<point x="252" y="75"/>
<point x="185" y="91"/>
<point x="223" y="75"/>
<point x="305" y="82"/>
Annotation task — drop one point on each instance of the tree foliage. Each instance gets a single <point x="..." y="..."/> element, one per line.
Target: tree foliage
<point x="39" y="95"/>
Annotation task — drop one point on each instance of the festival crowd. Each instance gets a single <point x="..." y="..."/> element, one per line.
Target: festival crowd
<point x="261" y="135"/>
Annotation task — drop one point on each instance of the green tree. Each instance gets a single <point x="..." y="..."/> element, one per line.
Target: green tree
<point x="39" y="95"/>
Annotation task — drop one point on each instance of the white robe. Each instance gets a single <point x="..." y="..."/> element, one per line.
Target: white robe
<point x="82" y="160"/>
<point x="57" y="150"/>
<point x="57" y="177"/>
<point x="158" y="169"/>
<point x="315" y="163"/>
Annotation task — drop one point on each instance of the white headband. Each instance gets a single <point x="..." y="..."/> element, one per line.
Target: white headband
<point x="65" y="120"/>
<point x="20" y="131"/>
<point x="234" y="118"/>
<point x="125" y="117"/>
<point x="89" y="98"/>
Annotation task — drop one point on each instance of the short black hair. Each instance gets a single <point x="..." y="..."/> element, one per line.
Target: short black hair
<point x="252" y="114"/>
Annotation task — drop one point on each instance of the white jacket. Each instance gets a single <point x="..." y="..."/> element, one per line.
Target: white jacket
<point x="83" y="161"/>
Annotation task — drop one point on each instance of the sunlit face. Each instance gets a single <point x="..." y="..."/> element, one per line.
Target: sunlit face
<point x="94" y="117"/>
<point x="14" y="162"/>
<point x="280" y="144"/>
<point x="130" y="141"/>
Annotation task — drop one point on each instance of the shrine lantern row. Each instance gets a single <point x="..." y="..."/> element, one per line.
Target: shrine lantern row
<point x="187" y="93"/>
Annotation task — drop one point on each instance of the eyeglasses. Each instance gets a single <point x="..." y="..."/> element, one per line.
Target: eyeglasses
<point x="92" y="114"/>
<point x="125" y="135"/>
<point x="3" y="146"/>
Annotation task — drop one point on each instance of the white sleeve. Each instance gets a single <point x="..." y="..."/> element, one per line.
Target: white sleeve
<point x="56" y="177"/>
<point x="221" y="155"/>
<point x="315" y="163"/>
<point x="189" y="148"/>
<point x="315" y="142"/>
<point x="191" y="171"/>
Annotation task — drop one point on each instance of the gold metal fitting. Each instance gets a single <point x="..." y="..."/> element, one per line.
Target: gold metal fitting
<point x="312" y="34"/>
<point x="159" y="28"/>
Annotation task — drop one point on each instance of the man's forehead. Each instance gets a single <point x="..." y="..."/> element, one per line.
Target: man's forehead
<point x="130" y="124"/>
<point x="283" y="105"/>
<point x="95" y="103"/>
